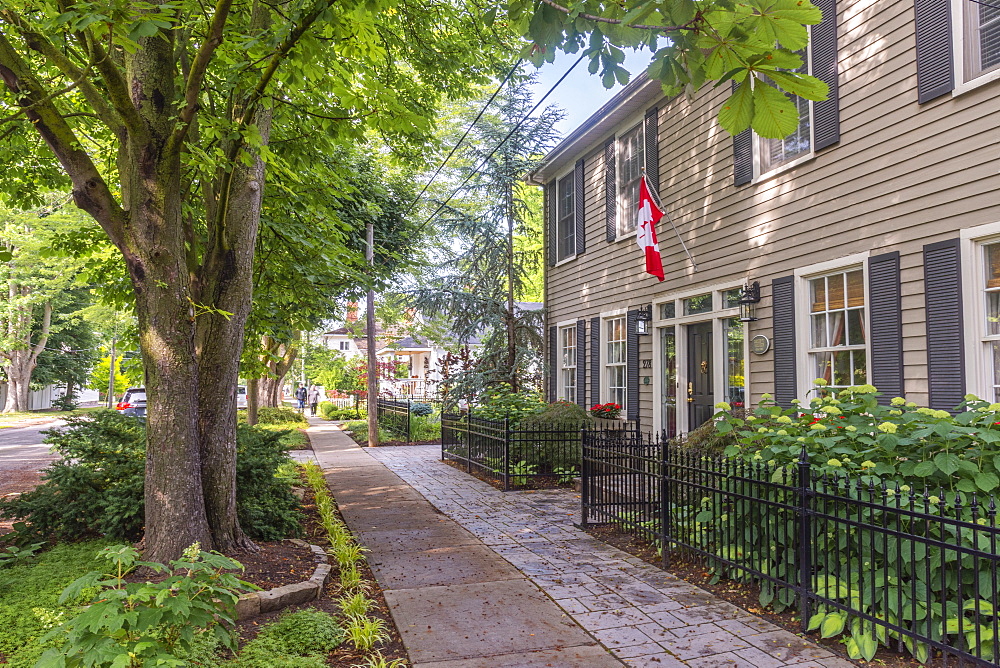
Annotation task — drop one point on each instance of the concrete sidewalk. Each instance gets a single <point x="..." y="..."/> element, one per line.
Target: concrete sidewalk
<point x="456" y="602"/>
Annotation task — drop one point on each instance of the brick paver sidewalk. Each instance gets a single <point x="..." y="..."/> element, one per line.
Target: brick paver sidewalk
<point x="645" y="616"/>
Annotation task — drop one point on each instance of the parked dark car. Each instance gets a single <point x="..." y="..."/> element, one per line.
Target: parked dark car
<point x="133" y="402"/>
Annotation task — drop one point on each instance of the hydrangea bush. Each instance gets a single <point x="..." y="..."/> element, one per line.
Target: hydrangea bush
<point x="850" y="432"/>
<point x="902" y="462"/>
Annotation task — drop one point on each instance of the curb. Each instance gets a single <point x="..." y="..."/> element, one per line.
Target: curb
<point x="260" y="602"/>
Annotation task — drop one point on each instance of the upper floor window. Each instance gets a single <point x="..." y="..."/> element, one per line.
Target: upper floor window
<point x="773" y="153"/>
<point x="630" y="163"/>
<point x="345" y="345"/>
<point x="838" y="350"/>
<point x="981" y="38"/>
<point x="567" y="363"/>
<point x="565" y="218"/>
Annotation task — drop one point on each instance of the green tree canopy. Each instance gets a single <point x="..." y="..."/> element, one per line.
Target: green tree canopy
<point x="755" y="44"/>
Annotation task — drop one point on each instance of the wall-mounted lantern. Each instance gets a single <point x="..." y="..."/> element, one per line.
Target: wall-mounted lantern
<point x="749" y="298"/>
<point x="643" y="317"/>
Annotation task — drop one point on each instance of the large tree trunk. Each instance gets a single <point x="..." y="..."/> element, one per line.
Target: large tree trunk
<point x="155" y="253"/>
<point x="281" y="357"/>
<point x="225" y="281"/>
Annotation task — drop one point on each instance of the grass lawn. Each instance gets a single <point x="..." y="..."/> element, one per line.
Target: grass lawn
<point x="294" y="439"/>
<point x="11" y="419"/>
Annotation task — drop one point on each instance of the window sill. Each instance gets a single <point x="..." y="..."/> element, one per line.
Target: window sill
<point x="627" y="235"/>
<point x="978" y="82"/>
<point x="781" y="169"/>
<point x="563" y="261"/>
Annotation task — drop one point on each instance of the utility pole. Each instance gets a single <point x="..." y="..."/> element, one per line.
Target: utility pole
<point x="372" y="359"/>
<point x="111" y="375"/>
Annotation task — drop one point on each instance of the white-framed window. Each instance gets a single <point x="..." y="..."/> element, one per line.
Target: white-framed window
<point x="615" y="343"/>
<point x="631" y="159"/>
<point x="567" y="363"/>
<point x="979" y="39"/>
<point x="771" y="154"/>
<point x="345" y="345"/>
<point x="989" y="315"/>
<point x="838" y="338"/>
<point x="565" y="217"/>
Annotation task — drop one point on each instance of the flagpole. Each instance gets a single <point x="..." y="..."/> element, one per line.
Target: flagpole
<point x="670" y="219"/>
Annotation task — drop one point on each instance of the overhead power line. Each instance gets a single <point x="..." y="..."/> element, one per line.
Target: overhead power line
<point x="503" y="141"/>
<point x="454" y="148"/>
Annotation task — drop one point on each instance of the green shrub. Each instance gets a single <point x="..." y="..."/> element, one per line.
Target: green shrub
<point x="266" y="507"/>
<point x="550" y="438"/>
<point x="421" y="409"/>
<point x="424" y="428"/>
<point x="500" y="402"/>
<point x="146" y="623"/>
<point x="96" y="488"/>
<point x="915" y="461"/>
<point x="280" y="415"/>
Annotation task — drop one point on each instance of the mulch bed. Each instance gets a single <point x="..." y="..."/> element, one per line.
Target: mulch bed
<point x="743" y="595"/>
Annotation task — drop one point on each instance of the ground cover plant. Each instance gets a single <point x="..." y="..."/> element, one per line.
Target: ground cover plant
<point x="96" y="488"/>
<point x="29" y="599"/>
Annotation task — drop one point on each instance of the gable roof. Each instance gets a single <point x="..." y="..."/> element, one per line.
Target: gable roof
<point x="639" y="94"/>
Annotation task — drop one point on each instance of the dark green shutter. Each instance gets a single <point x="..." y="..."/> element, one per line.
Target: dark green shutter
<point x="823" y="43"/>
<point x="783" y="303"/>
<point x="632" y="365"/>
<point x="553" y="362"/>
<point x="550" y="206"/>
<point x="935" y="73"/>
<point x="943" y="295"/>
<point x="885" y="317"/>
<point x="610" y="190"/>
<point x="579" y="204"/>
<point x="595" y="361"/>
<point x="651" y="149"/>
<point x="581" y="363"/>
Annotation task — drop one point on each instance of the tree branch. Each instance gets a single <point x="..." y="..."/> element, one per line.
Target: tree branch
<point x="199" y="68"/>
<point x="90" y="191"/>
<point x="639" y="26"/>
<point x="43" y="336"/>
<point x="79" y="76"/>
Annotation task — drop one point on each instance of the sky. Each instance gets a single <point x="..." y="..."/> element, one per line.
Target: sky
<point x="582" y="93"/>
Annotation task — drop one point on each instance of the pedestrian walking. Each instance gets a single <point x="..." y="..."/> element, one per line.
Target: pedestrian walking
<point x="300" y="396"/>
<point x="313" y="399"/>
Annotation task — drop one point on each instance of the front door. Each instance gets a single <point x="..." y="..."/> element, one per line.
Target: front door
<point x="701" y="395"/>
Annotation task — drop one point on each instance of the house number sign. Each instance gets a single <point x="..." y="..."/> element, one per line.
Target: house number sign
<point x="647" y="364"/>
<point x="760" y="344"/>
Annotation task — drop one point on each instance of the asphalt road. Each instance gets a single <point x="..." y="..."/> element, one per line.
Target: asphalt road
<point x="22" y="455"/>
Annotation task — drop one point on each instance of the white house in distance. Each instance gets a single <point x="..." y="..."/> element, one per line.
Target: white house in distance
<point x="421" y="356"/>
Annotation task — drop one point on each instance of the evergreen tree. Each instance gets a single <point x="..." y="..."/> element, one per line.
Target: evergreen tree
<point x="487" y="267"/>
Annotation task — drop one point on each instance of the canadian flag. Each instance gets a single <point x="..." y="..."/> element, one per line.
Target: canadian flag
<point x="649" y="215"/>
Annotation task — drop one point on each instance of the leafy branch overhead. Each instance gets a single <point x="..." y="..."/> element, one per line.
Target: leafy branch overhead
<point x="757" y="45"/>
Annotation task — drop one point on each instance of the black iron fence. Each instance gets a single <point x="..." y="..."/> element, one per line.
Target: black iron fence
<point x="513" y="454"/>
<point x="890" y="566"/>
<point x="394" y="416"/>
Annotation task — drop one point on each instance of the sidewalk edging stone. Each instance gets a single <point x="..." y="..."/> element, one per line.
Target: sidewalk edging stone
<point x="258" y="603"/>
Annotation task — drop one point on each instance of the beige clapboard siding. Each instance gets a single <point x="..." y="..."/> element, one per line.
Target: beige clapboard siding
<point x="903" y="175"/>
